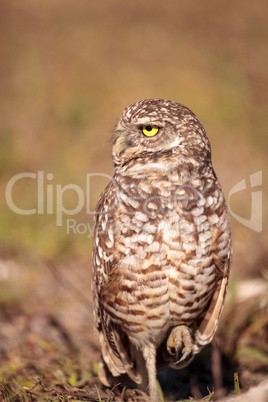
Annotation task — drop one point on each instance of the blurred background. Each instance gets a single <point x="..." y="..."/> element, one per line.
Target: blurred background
<point x="67" y="70"/>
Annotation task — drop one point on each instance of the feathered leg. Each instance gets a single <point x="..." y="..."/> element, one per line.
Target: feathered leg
<point x="149" y="354"/>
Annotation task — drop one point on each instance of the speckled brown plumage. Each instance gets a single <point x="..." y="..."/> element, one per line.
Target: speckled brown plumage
<point x="162" y="245"/>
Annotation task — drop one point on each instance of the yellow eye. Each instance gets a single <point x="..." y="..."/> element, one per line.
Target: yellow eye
<point x="150" y="131"/>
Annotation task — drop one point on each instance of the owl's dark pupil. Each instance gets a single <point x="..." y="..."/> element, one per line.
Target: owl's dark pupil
<point x="149" y="128"/>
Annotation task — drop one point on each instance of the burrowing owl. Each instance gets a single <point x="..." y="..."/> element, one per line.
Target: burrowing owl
<point x="162" y="245"/>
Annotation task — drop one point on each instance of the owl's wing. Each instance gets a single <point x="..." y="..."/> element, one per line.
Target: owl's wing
<point x="209" y="323"/>
<point x="115" y="346"/>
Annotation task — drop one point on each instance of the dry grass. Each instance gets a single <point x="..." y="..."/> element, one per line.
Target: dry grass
<point x="67" y="71"/>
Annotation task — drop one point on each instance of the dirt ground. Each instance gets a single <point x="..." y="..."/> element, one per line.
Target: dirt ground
<point x="67" y="70"/>
<point x="48" y="350"/>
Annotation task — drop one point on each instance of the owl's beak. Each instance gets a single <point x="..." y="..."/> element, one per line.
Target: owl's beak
<point x="120" y="145"/>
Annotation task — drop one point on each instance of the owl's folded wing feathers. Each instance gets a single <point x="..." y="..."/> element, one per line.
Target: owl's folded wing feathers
<point x="115" y="347"/>
<point x="208" y="326"/>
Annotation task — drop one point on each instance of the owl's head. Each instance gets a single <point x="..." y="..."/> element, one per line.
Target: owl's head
<point x="155" y="128"/>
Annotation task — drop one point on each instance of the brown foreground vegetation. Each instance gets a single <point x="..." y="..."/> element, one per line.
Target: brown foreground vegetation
<point x="48" y="350"/>
<point x="68" y="68"/>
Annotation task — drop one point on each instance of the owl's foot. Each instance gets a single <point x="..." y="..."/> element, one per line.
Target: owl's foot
<point x="180" y="344"/>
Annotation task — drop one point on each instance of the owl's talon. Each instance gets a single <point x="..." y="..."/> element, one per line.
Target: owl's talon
<point x="180" y="343"/>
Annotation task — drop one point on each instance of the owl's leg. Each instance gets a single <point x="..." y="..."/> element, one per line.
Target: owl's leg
<point x="103" y="375"/>
<point x="180" y="344"/>
<point x="149" y="354"/>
